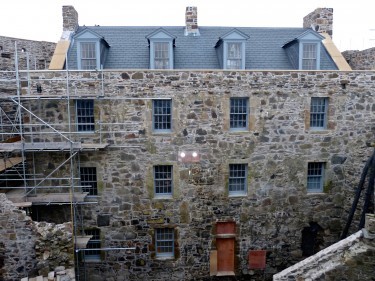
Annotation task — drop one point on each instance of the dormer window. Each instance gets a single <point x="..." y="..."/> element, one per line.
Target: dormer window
<point x="231" y="50"/>
<point x="88" y="55"/>
<point x="234" y="55"/>
<point x="91" y="50"/>
<point x="161" y="49"/>
<point x="162" y="58"/>
<point x="309" y="56"/>
<point x="304" y="51"/>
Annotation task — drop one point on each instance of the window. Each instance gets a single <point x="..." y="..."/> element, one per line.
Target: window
<point x="163" y="180"/>
<point x="164" y="240"/>
<point x="85" y="115"/>
<point x="234" y="55"/>
<point x="162" y="115"/>
<point x="318" y="113"/>
<point x="88" y="180"/>
<point x="94" y="243"/>
<point x="161" y="55"/>
<point x="237" y="179"/>
<point x="315" y="174"/>
<point x="238" y="113"/>
<point x="309" y="56"/>
<point x="88" y="55"/>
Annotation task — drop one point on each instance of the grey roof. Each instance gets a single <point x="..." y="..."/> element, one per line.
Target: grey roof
<point x="129" y="48"/>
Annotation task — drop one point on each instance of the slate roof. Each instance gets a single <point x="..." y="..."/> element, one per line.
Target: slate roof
<point x="129" y="48"/>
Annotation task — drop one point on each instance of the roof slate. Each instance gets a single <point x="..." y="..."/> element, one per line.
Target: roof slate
<point x="129" y="47"/>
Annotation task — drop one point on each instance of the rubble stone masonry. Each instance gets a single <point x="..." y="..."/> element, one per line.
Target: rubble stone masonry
<point x="277" y="147"/>
<point x="39" y="53"/>
<point x="360" y="60"/>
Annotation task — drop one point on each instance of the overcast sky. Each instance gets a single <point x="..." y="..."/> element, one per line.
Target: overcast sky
<point x="353" y="28"/>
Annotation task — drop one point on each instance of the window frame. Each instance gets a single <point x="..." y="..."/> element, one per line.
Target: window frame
<point x="153" y="43"/>
<point x="161" y="181"/>
<point x="156" y="116"/>
<point x="232" y="114"/>
<point x="314" y="115"/>
<point x="80" y="49"/>
<point x="233" y="180"/>
<point x="168" y="254"/>
<point x="91" y="183"/>
<point x="89" y="114"/>
<point x="320" y="168"/>
<point x="93" y="243"/>
<point x="226" y="53"/>
<point x="302" y="45"/>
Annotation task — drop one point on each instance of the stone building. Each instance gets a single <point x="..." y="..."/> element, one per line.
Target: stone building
<point x="189" y="153"/>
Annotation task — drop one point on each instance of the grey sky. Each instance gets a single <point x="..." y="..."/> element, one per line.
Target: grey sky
<point x="42" y="20"/>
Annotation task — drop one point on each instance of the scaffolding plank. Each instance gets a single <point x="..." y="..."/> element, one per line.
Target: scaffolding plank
<point x="38" y="146"/>
<point x="93" y="146"/>
<point x="22" y="204"/>
<point x="7" y="163"/>
<point x="57" y="198"/>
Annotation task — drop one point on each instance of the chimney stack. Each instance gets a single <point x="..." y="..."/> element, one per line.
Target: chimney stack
<point x="191" y="21"/>
<point x="70" y="18"/>
<point x="321" y="20"/>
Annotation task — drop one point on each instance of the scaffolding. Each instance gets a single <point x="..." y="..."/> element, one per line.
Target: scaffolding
<point x="26" y="134"/>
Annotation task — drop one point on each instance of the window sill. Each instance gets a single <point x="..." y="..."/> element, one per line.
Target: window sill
<point x="163" y="197"/>
<point x="237" y="195"/>
<point x="319" y="131"/>
<point x="225" y="273"/>
<point x="316" y="193"/>
<point x="239" y="131"/>
<point x="164" y="258"/>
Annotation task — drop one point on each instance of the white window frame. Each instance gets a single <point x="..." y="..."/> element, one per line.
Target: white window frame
<point x="153" y="42"/>
<point x="317" y="115"/>
<point x="163" y="182"/>
<point x="231" y="114"/>
<point x="237" y="177"/>
<point x="166" y="118"/>
<point x="315" y="176"/>
<point x="85" y="127"/>
<point x="164" y="242"/>
<point x="304" y="43"/>
<point x="79" y="53"/>
<point x="226" y="52"/>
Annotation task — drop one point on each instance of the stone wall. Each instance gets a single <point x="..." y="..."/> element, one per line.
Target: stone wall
<point x="39" y="53"/>
<point x="17" y="242"/>
<point x="321" y="20"/>
<point x="70" y="18"/>
<point x="360" y="60"/>
<point x="29" y="248"/>
<point x="276" y="146"/>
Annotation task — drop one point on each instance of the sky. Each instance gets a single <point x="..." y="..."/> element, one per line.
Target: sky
<point x="353" y="21"/>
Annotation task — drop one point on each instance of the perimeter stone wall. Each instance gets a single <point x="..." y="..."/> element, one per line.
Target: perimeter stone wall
<point x="361" y="60"/>
<point x="39" y="53"/>
<point x="276" y="146"/>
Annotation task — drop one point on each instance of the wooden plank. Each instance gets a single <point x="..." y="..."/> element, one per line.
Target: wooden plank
<point x="213" y="263"/>
<point x="59" y="55"/>
<point x="7" y="163"/>
<point x="81" y="241"/>
<point x="38" y="146"/>
<point x="22" y="204"/>
<point x="58" y="197"/>
<point x="336" y="55"/>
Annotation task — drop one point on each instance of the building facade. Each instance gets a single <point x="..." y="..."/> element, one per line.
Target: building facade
<point x="183" y="174"/>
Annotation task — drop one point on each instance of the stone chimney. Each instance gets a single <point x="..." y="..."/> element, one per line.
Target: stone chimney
<point x="70" y="18"/>
<point x="321" y="20"/>
<point x="191" y="21"/>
